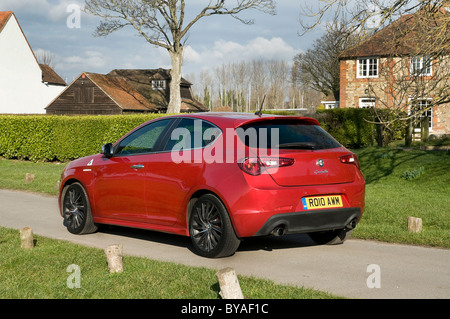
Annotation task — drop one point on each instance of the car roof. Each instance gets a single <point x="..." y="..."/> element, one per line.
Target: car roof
<point x="235" y="119"/>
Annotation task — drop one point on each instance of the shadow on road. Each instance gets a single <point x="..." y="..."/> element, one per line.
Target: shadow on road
<point x="266" y="243"/>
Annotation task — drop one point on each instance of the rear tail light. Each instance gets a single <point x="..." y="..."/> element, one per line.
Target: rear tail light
<point x="350" y="159"/>
<point x="255" y="166"/>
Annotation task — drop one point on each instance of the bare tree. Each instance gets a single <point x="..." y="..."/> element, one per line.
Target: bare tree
<point x="319" y="67"/>
<point x="162" y="24"/>
<point x="46" y="58"/>
<point x="414" y="63"/>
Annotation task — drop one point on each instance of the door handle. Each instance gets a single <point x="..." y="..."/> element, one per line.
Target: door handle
<point x="137" y="166"/>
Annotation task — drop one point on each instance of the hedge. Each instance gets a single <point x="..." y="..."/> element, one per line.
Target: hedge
<point x="62" y="138"/>
<point x="356" y="128"/>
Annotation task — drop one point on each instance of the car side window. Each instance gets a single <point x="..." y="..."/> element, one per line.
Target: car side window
<point x="143" y="140"/>
<point x="192" y="133"/>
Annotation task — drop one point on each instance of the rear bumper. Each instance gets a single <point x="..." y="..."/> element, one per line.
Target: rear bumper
<point x="311" y="221"/>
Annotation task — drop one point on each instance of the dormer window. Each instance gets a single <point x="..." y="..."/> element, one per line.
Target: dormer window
<point x="158" y="84"/>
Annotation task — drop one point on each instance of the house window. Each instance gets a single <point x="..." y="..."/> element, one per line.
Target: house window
<point x="330" y="104"/>
<point x="158" y="84"/>
<point x="367" y="102"/>
<point x="421" y="65"/>
<point x="422" y="109"/>
<point x="367" y="68"/>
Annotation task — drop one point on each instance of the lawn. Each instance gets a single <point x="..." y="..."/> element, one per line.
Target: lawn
<point x="47" y="175"/>
<point x="391" y="197"/>
<point x="43" y="273"/>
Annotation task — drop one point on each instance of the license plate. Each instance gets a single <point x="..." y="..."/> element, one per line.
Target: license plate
<point x="322" y="202"/>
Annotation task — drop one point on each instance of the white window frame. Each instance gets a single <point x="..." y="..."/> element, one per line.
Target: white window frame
<point x="363" y="67"/>
<point x="370" y="102"/>
<point x="158" y="84"/>
<point x="418" y="68"/>
<point x="429" y="113"/>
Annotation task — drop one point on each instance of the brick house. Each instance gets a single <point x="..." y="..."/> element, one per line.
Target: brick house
<point x="388" y="69"/>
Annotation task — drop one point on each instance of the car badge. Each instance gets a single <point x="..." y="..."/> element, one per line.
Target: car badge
<point x="320" y="162"/>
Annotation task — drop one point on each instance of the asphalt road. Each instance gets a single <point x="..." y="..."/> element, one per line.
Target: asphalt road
<point x="356" y="269"/>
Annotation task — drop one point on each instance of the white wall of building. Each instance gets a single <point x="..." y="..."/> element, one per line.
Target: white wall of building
<point x="21" y="88"/>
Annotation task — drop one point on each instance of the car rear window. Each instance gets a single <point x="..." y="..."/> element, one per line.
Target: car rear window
<point x="286" y="134"/>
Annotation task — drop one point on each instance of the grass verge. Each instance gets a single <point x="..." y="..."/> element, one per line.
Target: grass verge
<point x="13" y="172"/>
<point x="402" y="183"/>
<point x="42" y="273"/>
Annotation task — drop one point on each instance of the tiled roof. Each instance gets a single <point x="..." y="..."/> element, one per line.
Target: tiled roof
<point x="50" y="76"/>
<point x="192" y="106"/>
<point x="125" y="96"/>
<point x="140" y="79"/>
<point x="4" y="17"/>
<point x="405" y="36"/>
<point x="139" y="74"/>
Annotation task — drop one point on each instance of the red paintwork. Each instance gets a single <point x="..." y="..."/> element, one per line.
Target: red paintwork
<point x="157" y="196"/>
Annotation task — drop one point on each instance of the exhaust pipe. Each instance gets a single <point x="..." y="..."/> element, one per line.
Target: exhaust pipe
<point x="278" y="231"/>
<point x="352" y="224"/>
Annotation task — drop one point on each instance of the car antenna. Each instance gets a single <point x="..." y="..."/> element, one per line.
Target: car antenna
<point x="259" y="113"/>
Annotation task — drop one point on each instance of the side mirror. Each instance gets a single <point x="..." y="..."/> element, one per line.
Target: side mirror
<point x="108" y="150"/>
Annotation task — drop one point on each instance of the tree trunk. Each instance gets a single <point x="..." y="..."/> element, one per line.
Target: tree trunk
<point x="408" y="133"/>
<point x="425" y="132"/>
<point x="175" y="92"/>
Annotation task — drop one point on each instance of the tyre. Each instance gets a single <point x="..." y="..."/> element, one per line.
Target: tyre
<point x="330" y="237"/>
<point x="76" y="210"/>
<point x="210" y="228"/>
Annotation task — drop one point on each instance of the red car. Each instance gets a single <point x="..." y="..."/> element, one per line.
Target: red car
<point x="219" y="178"/>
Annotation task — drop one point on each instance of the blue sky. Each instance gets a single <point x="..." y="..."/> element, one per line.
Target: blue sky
<point x="212" y="42"/>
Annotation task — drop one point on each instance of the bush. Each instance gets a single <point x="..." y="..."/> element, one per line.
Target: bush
<point x="62" y="138"/>
<point x="413" y="174"/>
<point x="356" y="128"/>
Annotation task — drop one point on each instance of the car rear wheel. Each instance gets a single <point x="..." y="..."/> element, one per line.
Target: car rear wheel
<point x="210" y="228"/>
<point x="331" y="237"/>
<point x="76" y="210"/>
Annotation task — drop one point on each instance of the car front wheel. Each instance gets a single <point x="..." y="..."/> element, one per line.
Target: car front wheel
<point x="210" y="228"/>
<point x="76" y="210"/>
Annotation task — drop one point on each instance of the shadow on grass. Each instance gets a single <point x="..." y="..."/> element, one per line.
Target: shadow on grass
<point x="379" y="163"/>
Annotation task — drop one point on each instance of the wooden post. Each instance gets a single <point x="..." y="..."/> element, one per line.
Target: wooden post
<point x="114" y="258"/>
<point x="414" y="224"/>
<point x="26" y="238"/>
<point x="229" y="284"/>
<point x="29" y="178"/>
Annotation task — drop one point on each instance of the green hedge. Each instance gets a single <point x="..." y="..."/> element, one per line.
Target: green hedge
<point x="355" y="128"/>
<point x="49" y="138"/>
<point x="63" y="138"/>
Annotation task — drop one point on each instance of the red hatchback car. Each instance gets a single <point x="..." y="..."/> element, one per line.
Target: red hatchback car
<point x="219" y="178"/>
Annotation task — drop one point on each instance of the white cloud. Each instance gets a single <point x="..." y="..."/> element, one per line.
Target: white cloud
<point x="229" y="51"/>
<point x="90" y="61"/>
